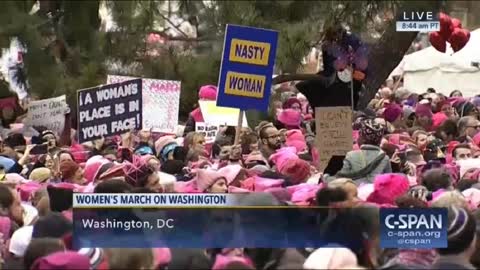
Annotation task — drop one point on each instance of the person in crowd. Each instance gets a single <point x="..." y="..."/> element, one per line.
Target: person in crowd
<point x="437" y="179"/>
<point x="466" y="108"/>
<point x="39" y="248"/>
<point x="462" y="151"/>
<point x="144" y="176"/>
<point x="211" y="182"/>
<point x="71" y="172"/>
<point x="420" y="138"/>
<point x="456" y="94"/>
<point x="130" y="258"/>
<point x="292" y="103"/>
<point x="206" y="93"/>
<point x="269" y="141"/>
<point x="362" y="165"/>
<point x="461" y="236"/>
<point x="423" y="117"/>
<point x="447" y="131"/>
<point x="468" y="127"/>
<point x="10" y="205"/>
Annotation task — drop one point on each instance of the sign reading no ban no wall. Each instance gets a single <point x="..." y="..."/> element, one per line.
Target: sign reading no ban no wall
<point x="247" y="68"/>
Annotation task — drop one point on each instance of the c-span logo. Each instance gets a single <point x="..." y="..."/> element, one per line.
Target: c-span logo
<point x="413" y="228"/>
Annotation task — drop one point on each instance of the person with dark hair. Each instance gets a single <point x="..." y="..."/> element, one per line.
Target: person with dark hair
<point x="10" y="205"/>
<point x="39" y="248"/>
<point x="113" y="186"/>
<point x="447" y="131"/>
<point x="456" y="94"/>
<point x="461" y="236"/>
<point x="64" y="155"/>
<point x="466" y="184"/>
<point x="143" y="176"/>
<point x="436" y="179"/>
<point x="52" y="225"/>
<point x="462" y="151"/>
<point x="269" y="139"/>
<point x="468" y="127"/>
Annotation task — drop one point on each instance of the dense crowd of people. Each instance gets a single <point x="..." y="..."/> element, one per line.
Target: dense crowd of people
<point x="409" y="151"/>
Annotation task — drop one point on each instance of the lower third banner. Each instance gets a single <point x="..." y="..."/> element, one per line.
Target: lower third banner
<point x="201" y="228"/>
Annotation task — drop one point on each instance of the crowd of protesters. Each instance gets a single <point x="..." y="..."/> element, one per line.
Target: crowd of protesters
<point x="409" y="150"/>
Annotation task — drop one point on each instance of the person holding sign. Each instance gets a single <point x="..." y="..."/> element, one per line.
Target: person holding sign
<point x="206" y="92"/>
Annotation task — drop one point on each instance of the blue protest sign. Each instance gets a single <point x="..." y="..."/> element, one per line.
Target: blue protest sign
<point x="109" y="110"/>
<point x="247" y="68"/>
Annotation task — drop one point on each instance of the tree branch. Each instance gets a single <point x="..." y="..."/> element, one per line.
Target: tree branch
<point x="296" y="77"/>
<point x="171" y="23"/>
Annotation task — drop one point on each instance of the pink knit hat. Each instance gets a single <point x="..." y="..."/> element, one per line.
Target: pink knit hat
<point x="438" y="119"/>
<point x="162" y="257"/>
<point x="392" y="112"/>
<point x="27" y="190"/>
<point x="208" y="92"/>
<point x="223" y="262"/>
<point x="79" y="153"/>
<point x="232" y="189"/>
<point x="290" y="118"/>
<point x="303" y="194"/>
<point x="296" y="139"/>
<point x="262" y="184"/>
<point x="283" y="155"/>
<point x="206" y="178"/>
<point x="388" y="187"/>
<point x="92" y="167"/>
<point x="230" y="172"/>
<point x="423" y="110"/>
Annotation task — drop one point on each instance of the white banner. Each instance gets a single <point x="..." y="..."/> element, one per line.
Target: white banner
<point x="49" y="113"/>
<point x="161" y="101"/>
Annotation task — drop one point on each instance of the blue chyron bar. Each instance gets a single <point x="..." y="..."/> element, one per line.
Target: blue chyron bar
<point x="204" y="227"/>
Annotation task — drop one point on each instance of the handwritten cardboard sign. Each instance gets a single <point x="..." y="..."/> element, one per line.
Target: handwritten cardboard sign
<point x="334" y="132"/>
<point x="48" y="113"/>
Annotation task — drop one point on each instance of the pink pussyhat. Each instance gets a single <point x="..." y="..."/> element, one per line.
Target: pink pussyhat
<point x="290" y="118"/>
<point x="223" y="262"/>
<point x="281" y="157"/>
<point x="295" y="138"/>
<point x="208" y="92"/>
<point x="438" y="119"/>
<point x="230" y="172"/>
<point x="261" y="184"/>
<point x="388" y="187"/>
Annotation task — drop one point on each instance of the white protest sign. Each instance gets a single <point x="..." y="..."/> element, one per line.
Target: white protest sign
<point x="209" y="131"/>
<point x="161" y="101"/>
<point x="334" y="132"/>
<point x="215" y="115"/>
<point x="48" y="113"/>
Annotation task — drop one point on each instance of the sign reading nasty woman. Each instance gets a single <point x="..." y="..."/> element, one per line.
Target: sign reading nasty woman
<point x="109" y="109"/>
<point x="247" y="67"/>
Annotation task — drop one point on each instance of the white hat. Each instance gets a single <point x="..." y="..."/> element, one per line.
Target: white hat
<point x="331" y="258"/>
<point x="20" y="240"/>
